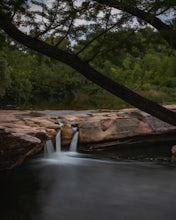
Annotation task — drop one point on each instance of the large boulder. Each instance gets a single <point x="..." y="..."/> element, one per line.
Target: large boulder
<point x="67" y="134"/>
<point x="15" y="147"/>
<point x="126" y="126"/>
<point x="23" y="137"/>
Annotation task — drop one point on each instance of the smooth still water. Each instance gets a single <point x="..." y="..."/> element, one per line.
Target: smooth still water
<point x="73" y="186"/>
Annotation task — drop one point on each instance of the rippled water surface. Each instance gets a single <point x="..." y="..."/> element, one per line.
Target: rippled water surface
<point x="70" y="186"/>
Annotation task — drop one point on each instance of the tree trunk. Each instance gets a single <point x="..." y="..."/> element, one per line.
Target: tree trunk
<point x="91" y="74"/>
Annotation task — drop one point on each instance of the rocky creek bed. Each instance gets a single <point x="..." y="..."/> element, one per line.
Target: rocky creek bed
<point x="24" y="133"/>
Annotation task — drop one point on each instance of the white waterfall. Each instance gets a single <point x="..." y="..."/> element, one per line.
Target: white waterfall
<point x="60" y="122"/>
<point x="58" y="142"/>
<point x="74" y="141"/>
<point x="48" y="148"/>
<point x="58" y="136"/>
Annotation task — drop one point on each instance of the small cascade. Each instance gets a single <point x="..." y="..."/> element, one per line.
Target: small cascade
<point x="51" y="151"/>
<point x="58" y="142"/>
<point x="48" y="148"/>
<point x="60" y="122"/>
<point x="74" y="141"/>
<point x="58" y="137"/>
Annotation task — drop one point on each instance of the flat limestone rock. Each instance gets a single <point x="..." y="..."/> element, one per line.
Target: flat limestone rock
<point x="105" y="127"/>
<point x="22" y="136"/>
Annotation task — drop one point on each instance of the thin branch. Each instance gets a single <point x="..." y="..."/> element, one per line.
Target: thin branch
<point x="120" y="42"/>
<point x="163" y="11"/>
<point x="70" y="25"/>
<point x="164" y="29"/>
<point x="67" y="33"/>
<point x="95" y="38"/>
<point x="94" y="56"/>
<point x="48" y="28"/>
<point x="13" y="15"/>
<point x="101" y="43"/>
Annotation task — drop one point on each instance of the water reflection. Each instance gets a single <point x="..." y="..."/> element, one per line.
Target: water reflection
<point x="18" y="194"/>
<point x="75" y="186"/>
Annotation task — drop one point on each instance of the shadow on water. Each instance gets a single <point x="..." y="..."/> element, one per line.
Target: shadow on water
<point x="99" y="186"/>
<point x="18" y="193"/>
<point x="159" y="152"/>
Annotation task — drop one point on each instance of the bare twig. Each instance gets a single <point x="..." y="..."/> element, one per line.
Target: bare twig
<point x="67" y="33"/>
<point x="49" y="27"/>
<point x="95" y="38"/>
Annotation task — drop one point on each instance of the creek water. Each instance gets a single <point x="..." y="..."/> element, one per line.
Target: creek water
<point x="131" y="184"/>
<point x="71" y="185"/>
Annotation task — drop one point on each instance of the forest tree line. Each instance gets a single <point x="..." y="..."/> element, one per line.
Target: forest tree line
<point x="141" y="60"/>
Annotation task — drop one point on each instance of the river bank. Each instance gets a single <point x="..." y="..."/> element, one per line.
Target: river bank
<point x="24" y="133"/>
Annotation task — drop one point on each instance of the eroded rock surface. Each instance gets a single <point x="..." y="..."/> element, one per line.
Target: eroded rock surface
<point x="24" y="137"/>
<point x="112" y="128"/>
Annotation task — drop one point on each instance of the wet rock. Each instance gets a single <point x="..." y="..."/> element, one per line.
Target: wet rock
<point x="66" y="134"/>
<point x="105" y="128"/>
<point x="21" y="138"/>
<point x="173" y="150"/>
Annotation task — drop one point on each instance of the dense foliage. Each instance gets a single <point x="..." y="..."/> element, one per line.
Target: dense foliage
<point x="139" y="59"/>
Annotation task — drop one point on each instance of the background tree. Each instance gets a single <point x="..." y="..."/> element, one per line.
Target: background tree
<point x="32" y="22"/>
<point x="4" y="68"/>
<point x="4" y="75"/>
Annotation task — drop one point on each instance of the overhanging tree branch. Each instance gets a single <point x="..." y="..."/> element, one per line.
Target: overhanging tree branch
<point x="90" y="73"/>
<point x="165" y="30"/>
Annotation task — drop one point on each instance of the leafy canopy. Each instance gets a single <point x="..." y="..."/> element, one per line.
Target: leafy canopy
<point x="74" y="19"/>
<point x="33" y="22"/>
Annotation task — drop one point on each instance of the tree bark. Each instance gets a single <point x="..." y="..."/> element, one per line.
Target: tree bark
<point x="91" y="74"/>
